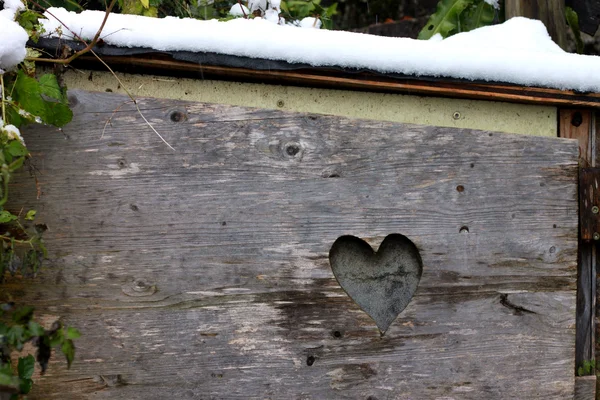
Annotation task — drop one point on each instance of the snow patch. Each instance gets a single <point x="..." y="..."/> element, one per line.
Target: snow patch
<point x="519" y="51"/>
<point x="310" y="22"/>
<point x="11" y="8"/>
<point x="12" y="132"/>
<point x="493" y="3"/>
<point x="239" y="10"/>
<point x="13" y="37"/>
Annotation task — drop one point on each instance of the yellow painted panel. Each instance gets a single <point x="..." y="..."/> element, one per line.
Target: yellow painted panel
<point x="459" y="113"/>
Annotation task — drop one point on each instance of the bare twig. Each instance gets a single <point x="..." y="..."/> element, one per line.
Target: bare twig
<point x="2" y="98"/>
<point x="242" y="8"/>
<point x="132" y="99"/>
<point x="89" y="46"/>
<point x="111" y="117"/>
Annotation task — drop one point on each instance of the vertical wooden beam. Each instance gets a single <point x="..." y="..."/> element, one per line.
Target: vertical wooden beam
<point x="581" y="125"/>
<point x="550" y="12"/>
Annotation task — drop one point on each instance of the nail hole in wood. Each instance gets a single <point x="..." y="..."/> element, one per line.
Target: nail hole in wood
<point x="337" y="334"/>
<point x="460" y="188"/>
<point x="464" y="229"/>
<point x="292" y="149"/>
<point x="177" y="116"/>
<point x="73" y="101"/>
<point x="134" y="207"/>
<point x="576" y="119"/>
<point x="224" y="223"/>
<point x="122" y="163"/>
<point x="310" y="360"/>
<point x="472" y="165"/>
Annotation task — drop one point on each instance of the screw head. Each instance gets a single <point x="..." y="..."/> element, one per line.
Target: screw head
<point x="456" y="115"/>
<point x="280" y="103"/>
<point x="596" y="236"/>
<point x="595" y="209"/>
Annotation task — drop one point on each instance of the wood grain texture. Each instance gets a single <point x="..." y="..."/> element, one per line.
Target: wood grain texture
<point x="585" y="388"/>
<point x="576" y="124"/>
<point x="204" y="273"/>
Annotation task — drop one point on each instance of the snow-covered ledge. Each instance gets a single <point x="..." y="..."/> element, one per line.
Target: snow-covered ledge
<point x="519" y="51"/>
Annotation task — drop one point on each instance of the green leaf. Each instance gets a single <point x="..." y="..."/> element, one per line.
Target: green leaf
<point x="73" y="333"/>
<point x="15" y="336"/>
<point x="49" y="86"/>
<point x="28" y="19"/>
<point x="35" y="329"/>
<point x="30" y="216"/>
<point x="58" y="114"/>
<point x="68" y="349"/>
<point x="573" y="22"/>
<point x="145" y="3"/>
<point x="57" y="338"/>
<point x="25" y="385"/>
<point x="16" y="164"/>
<point x="7" y="379"/>
<point x="23" y="315"/>
<point x="17" y="149"/>
<point x="6" y="216"/>
<point x="476" y="16"/>
<point x="27" y="93"/>
<point x="26" y="366"/>
<point x="445" y="20"/>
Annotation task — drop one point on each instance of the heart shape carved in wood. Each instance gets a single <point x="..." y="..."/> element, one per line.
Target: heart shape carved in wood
<point x="382" y="283"/>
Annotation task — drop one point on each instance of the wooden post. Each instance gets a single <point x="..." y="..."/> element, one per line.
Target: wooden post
<point x="550" y="12"/>
<point x="580" y="125"/>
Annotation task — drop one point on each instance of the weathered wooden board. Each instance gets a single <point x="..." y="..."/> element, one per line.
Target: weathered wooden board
<point x="204" y="273"/>
<point x="577" y="124"/>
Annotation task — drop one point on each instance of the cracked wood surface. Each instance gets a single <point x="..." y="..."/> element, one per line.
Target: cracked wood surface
<point x="204" y="272"/>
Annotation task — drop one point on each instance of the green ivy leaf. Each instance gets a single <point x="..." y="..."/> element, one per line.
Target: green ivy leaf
<point x="59" y="114"/>
<point x="16" y="164"/>
<point x="16" y="149"/>
<point x="49" y="86"/>
<point x="28" y="20"/>
<point x="73" y="333"/>
<point x="27" y="93"/>
<point x="7" y="379"/>
<point x="26" y="366"/>
<point x="57" y="338"/>
<point x="478" y="15"/>
<point x="68" y="349"/>
<point x="25" y="385"/>
<point x="15" y="336"/>
<point x="6" y="217"/>
<point x="30" y="216"/>
<point x="23" y="315"/>
<point x="35" y="329"/>
<point x="573" y="22"/>
<point x="445" y="20"/>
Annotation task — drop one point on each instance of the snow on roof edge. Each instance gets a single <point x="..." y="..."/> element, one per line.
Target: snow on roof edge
<point x="519" y="51"/>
